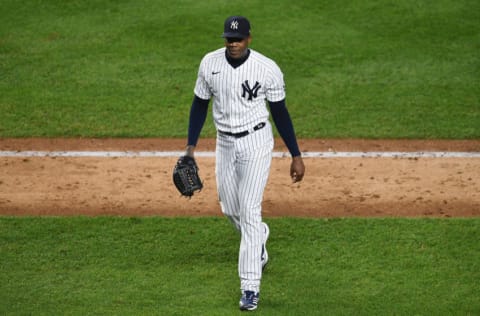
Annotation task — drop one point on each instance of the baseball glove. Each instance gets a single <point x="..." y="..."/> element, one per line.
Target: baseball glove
<point x="185" y="176"/>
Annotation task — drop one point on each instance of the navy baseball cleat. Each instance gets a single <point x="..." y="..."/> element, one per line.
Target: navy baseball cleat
<point x="264" y="256"/>
<point x="249" y="301"/>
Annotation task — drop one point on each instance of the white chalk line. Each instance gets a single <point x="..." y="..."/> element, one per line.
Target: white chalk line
<point x="208" y="154"/>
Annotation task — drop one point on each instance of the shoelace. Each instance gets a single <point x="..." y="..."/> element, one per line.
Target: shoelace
<point x="250" y="296"/>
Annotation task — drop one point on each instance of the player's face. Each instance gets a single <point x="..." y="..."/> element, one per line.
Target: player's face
<point x="237" y="47"/>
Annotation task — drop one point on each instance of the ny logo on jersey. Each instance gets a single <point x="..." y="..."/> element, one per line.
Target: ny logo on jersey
<point x="234" y="25"/>
<point x="252" y="92"/>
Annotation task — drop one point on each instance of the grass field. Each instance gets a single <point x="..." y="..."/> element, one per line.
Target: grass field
<point x="376" y="69"/>
<point x="361" y="69"/>
<point x="159" y="266"/>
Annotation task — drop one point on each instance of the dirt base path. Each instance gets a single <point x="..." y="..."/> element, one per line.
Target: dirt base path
<point x="333" y="187"/>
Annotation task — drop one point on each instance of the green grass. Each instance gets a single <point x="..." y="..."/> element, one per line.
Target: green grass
<point x="374" y="69"/>
<point x="371" y="69"/>
<point x="187" y="266"/>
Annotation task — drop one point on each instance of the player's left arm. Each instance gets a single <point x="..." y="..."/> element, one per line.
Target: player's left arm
<point x="283" y="122"/>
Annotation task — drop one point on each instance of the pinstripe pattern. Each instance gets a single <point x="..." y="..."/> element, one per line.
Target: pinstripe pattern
<point x="242" y="169"/>
<point x="218" y="79"/>
<point x="242" y="164"/>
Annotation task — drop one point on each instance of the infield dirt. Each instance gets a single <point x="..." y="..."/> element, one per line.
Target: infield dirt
<point x="332" y="187"/>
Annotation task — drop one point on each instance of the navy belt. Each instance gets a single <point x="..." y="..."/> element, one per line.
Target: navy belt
<point x="245" y="133"/>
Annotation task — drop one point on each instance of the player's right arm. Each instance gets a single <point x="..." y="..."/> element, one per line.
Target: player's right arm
<point x="199" y="108"/>
<point x="198" y="115"/>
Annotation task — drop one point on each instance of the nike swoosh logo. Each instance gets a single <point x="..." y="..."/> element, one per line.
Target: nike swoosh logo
<point x="215" y="72"/>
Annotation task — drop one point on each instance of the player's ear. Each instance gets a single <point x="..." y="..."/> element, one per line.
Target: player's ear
<point x="249" y="39"/>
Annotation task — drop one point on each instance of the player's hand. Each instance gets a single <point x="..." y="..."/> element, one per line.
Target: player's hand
<point x="297" y="169"/>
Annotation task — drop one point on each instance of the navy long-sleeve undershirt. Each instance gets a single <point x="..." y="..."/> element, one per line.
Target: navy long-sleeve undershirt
<point x="284" y="125"/>
<point x="280" y="115"/>
<point x="198" y="115"/>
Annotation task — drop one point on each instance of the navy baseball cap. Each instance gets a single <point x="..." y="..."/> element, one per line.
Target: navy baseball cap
<point x="236" y="26"/>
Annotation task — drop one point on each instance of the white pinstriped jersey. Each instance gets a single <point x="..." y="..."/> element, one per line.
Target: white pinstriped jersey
<point x="239" y="94"/>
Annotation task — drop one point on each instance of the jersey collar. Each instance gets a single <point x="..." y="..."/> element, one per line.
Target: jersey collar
<point x="237" y="62"/>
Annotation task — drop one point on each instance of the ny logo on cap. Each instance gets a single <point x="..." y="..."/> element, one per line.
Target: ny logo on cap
<point x="234" y="25"/>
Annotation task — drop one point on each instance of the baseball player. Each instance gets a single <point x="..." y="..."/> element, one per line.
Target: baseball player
<point x="240" y="81"/>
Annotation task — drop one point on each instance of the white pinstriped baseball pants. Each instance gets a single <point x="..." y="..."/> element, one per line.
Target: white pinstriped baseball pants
<point x="242" y="170"/>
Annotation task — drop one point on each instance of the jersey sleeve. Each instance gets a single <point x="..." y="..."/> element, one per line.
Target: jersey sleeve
<point x="275" y="90"/>
<point x="202" y="89"/>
